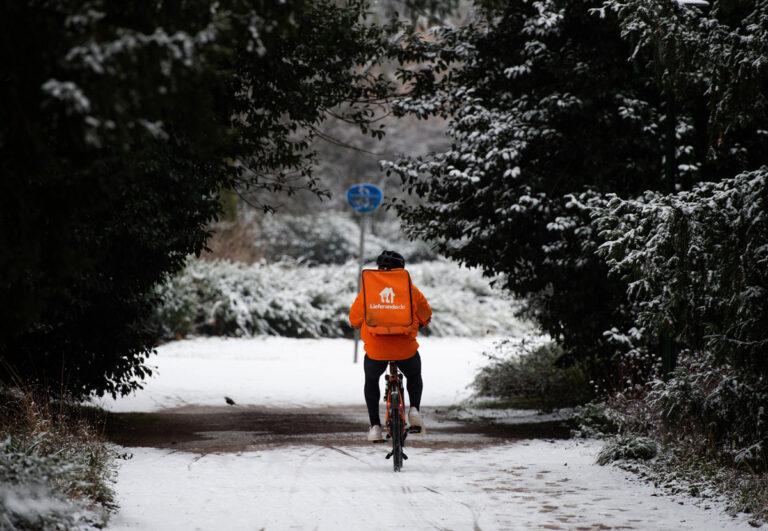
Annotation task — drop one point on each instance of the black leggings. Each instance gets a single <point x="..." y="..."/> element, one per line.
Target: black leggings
<point x="411" y="368"/>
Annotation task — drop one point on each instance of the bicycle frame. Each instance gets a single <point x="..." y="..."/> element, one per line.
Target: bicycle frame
<point x="395" y="419"/>
<point x="394" y="384"/>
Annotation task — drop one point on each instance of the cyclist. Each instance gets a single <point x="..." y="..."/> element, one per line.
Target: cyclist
<point x="380" y="349"/>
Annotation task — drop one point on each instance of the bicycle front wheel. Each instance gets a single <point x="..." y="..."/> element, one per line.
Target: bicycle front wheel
<point x="397" y="432"/>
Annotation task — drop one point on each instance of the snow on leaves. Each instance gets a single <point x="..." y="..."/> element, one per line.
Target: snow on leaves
<point x="292" y="300"/>
<point x="696" y="262"/>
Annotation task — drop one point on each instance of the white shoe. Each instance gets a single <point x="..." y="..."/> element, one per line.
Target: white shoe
<point x="374" y="434"/>
<point x="415" y="424"/>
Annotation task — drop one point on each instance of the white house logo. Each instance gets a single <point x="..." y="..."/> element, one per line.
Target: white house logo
<point x="387" y="295"/>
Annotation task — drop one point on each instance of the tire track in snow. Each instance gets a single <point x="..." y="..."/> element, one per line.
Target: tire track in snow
<point x="352" y="509"/>
<point x="475" y="525"/>
<point x="342" y="452"/>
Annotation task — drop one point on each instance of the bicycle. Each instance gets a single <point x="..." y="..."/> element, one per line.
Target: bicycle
<point x="395" y="420"/>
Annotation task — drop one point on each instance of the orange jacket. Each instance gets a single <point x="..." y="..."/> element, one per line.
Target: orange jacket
<point x="390" y="347"/>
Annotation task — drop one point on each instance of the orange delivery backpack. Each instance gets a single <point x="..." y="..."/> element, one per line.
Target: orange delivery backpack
<point x="388" y="301"/>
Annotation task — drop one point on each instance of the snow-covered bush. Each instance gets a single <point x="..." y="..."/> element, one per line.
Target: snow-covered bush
<point x="234" y="299"/>
<point x="29" y="498"/>
<point x="697" y="263"/>
<point x="332" y="237"/>
<point x="293" y="300"/>
<point x="697" y="266"/>
<point x="55" y="473"/>
<point x="464" y="303"/>
<point x="596" y="419"/>
<point x="716" y="410"/>
<point x="530" y="371"/>
<point x="690" y="419"/>
<point x="627" y="447"/>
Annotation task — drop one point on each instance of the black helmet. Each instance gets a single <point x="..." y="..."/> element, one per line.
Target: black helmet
<point x="390" y="260"/>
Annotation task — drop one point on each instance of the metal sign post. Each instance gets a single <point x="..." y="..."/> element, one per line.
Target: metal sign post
<point x="363" y="198"/>
<point x="361" y="263"/>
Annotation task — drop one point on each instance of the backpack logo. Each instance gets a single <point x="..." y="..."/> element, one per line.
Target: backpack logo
<point x="383" y="315"/>
<point x="387" y="295"/>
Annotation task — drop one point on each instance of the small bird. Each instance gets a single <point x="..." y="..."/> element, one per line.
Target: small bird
<point x="229" y="401"/>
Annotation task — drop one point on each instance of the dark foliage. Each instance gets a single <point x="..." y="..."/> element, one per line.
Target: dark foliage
<point x="548" y="100"/>
<point x="120" y="124"/>
<point x="543" y="103"/>
<point x="530" y="374"/>
<point x="695" y="261"/>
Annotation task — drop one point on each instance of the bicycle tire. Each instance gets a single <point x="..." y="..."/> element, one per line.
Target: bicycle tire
<point x="397" y="432"/>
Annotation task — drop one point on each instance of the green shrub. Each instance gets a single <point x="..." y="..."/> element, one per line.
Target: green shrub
<point x="708" y="429"/>
<point x="521" y="371"/>
<point x="627" y="447"/>
<point x="722" y="411"/>
<point x="596" y="419"/>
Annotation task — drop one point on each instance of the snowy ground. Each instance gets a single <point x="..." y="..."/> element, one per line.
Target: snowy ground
<point x="253" y="474"/>
<point x="287" y="372"/>
<point x="527" y="485"/>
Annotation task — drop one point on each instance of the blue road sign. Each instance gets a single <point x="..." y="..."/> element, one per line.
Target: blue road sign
<point x="364" y="197"/>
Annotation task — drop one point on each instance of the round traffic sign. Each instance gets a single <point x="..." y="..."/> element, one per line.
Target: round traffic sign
<point x="364" y="197"/>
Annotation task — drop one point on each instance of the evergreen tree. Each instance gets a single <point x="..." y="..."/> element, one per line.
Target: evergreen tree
<point x="709" y="63"/>
<point x="696" y="261"/>
<point x="552" y="100"/>
<point x="542" y="103"/>
<point x="120" y="125"/>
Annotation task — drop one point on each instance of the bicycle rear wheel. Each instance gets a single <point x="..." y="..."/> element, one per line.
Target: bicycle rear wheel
<point x="397" y="432"/>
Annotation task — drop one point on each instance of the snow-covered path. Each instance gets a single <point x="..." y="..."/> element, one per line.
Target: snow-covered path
<point x="525" y="485"/>
<point x="456" y="478"/>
